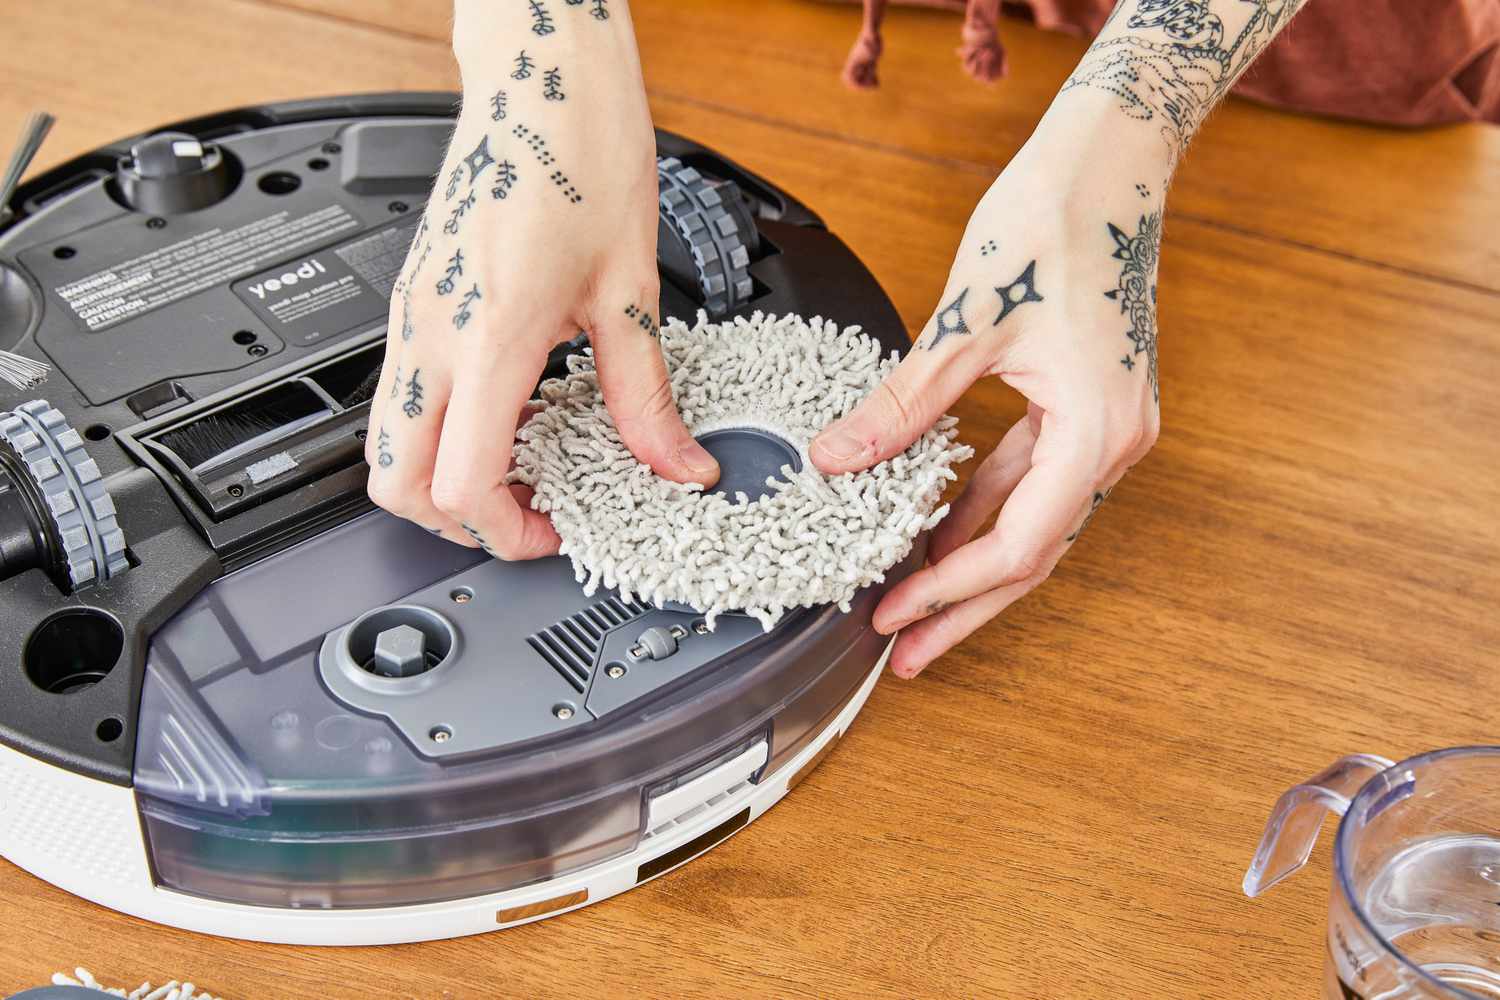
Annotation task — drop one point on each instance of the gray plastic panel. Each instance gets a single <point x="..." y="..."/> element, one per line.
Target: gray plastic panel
<point x="258" y="784"/>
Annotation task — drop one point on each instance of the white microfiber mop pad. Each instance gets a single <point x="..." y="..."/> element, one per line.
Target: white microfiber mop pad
<point x="812" y="540"/>
<point x="170" y="991"/>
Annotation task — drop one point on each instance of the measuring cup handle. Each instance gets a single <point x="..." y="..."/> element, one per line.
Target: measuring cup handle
<point x="1293" y="827"/>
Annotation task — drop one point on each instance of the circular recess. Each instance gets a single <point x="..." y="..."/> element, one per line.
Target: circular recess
<point x="109" y="730"/>
<point x="245" y="337"/>
<point x="382" y="643"/>
<point x="317" y="163"/>
<point x="440" y="734"/>
<point x="64" y="253"/>
<point x="462" y="595"/>
<point x="746" y="457"/>
<point x="332" y="148"/>
<point x="398" y="207"/>
<point x="279" y="182"/>
<point x="97" y="432"/>
<point x="73" y="650"/>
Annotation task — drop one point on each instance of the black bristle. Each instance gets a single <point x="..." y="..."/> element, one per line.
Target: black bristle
<point x="365" y="391"/>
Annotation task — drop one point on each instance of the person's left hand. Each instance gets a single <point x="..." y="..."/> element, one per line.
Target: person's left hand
<point x="1056" y="295"/>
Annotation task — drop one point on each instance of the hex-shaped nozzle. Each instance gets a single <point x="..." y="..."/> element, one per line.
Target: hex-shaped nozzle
<point x="400" y="652"/>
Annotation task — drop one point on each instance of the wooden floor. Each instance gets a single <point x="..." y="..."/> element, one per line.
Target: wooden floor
<point x="1064" y="805"/>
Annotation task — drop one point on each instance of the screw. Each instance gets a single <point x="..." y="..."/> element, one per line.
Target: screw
<point x="614" y="671"/>
<point x="397" y="207"/>
<point x="332" y="147"/>
<point x="258" y="350"/>
<point x="700" y="627"/>
<point x="462" y="597"/>
<point x="361" y="435"/>
<point x="564" y="712"/>
<point x="156" y="222"/>
<point x="441" y="735"/>
<point x="236" y="490"/>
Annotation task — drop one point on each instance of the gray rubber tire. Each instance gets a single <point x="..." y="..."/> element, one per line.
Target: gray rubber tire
<point x="79" y="504"/>
<point x="700" y="216"/>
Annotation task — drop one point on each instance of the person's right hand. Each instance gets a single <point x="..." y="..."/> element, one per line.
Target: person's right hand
<point x="542" y="223"/>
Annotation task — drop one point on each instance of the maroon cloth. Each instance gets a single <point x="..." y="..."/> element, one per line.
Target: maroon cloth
<point x="1402" y="62"/>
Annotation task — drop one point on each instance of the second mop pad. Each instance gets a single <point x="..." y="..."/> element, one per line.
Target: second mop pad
<point x="809" y="540"/>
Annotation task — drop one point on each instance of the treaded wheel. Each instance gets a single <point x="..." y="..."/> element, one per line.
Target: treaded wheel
<point x="711" y="231"/>
<point x="75" y="499"/>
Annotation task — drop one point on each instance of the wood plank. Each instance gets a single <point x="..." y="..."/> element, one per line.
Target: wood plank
<point x="1064" y="805"/>
<point x="1427" y="201"/>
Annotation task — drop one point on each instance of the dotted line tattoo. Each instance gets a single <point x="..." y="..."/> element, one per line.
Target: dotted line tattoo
<point x="988" y="247"/>
<point x="538" y="146"/>
<point x="1136" y="290"/>
<point x="644" y="320"/>
<point x="474" y="534"/>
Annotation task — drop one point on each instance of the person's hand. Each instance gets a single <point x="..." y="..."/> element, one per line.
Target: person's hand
<point x="542" y="223"/>
<point x="1053" y="290"/>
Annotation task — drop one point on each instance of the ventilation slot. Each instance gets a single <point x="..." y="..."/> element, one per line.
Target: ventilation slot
<point x="572" y="645"/>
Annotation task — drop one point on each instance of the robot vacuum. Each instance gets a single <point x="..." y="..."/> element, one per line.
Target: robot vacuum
<point x="237" y="699"/>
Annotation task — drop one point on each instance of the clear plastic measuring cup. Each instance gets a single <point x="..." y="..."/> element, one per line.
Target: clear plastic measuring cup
<point x="1415" y="906"/>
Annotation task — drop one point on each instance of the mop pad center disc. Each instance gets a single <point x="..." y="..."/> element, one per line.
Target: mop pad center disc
<point x="774" y="533"/>
<point x="748" y="457"/>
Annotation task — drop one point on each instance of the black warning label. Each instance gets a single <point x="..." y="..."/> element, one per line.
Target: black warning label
<point x="202" y="261"/>
<point x="323" y="294"/>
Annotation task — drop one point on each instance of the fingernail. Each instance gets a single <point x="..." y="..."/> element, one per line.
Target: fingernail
<point x="696" y="457"/>
<point x="839" y="443"/>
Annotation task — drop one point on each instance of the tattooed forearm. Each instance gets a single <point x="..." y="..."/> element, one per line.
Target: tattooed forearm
<point x="1172" y="64"/>
<point x="1136" y="289"/>
<point x="552" y="85"/>
<point x="1023" y="289"/>
<point x="464" y="313"/>
<point x="643" y="319"/>
<point x="412" y="405"/>
<point x="455" y="269"/>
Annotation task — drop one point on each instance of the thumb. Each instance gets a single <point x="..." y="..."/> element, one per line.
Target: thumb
<point x="638" y="393"/>
<point x="900" y="410"/>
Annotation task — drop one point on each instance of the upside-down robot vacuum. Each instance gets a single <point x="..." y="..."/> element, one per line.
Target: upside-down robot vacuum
<point x="234" y="697"/>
